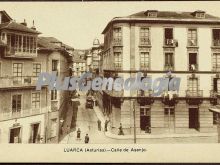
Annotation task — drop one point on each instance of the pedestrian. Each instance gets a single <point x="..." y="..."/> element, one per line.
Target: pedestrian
<point x="87" y="138"/>
<point x="120" y="130"/>
<point x="106" y="125"/>
<point x="99" y="124"/>
<point x="78" y="134"/>
<point x="67" y="129"/>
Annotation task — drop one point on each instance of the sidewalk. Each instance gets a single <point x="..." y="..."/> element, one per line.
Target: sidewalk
<point x="101" y="117"/>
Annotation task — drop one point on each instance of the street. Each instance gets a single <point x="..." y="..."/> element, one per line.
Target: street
<point x="86" y="120"/>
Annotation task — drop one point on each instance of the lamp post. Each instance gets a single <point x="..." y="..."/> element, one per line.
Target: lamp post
<point x="134" y="122"/>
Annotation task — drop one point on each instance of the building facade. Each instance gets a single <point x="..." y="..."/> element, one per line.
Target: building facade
<point x="24" y="111"/>
<point x="79" y="62"/>
<point x="154" y="43"/>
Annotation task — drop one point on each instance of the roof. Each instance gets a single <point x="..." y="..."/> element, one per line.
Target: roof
<point x="50" y="43"/>
<point x="167" y="17"/>
<point x="12" y="25"/>
<point x="6" y="16"/>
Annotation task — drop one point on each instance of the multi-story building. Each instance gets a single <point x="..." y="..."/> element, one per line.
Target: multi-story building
<point x="59" y="59"/>
<point x="155" y="42"/>
<point x="24" y="111"/>
<point x="79" y="62"/>
<point x="93" y="57"/>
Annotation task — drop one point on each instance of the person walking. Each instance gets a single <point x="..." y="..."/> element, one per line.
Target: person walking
<point x="120" y="130"/>
<point x="87" y="138"/>
<point x="99" y="124"/>
<point x="78" y="134"/>
<point x="106" y="125"/>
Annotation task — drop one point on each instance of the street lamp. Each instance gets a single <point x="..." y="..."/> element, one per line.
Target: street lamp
<point x="134" y="121"/>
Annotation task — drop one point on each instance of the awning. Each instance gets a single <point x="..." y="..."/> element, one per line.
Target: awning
<point x="215" y="109"/>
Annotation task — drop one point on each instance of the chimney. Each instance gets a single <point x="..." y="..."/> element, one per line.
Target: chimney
<point x="33" y="27"/>
<point x="24" y="23"/>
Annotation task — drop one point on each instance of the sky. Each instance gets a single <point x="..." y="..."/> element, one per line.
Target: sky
<point x="79" y="23"/>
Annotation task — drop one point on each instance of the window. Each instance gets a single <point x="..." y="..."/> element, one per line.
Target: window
<point x="152" y="14"/>
<point x="144" y="60"/>
<point x="169" y="61"/>
<point x="169" y="111"/>
<point x="117" y="36"/>
<point x="16" y="103"/>
<point x="53" y="94"/>
<point x="216" y="84"/>
<point x="193" y="62"/>
<point x="17" y="72"/>
<point x="215" y="118"/>
<point x="53" y="132"/>
<point x="54" y="65"/>
<point x="36" y="69"/>
<point x="216" y="37"/>
<point x="168" y="32"/>
<point x="35" y="100"/>
<point x="117" y="60"/>
<point x="200" y="15"/>
<point x="144" y="36"/>
<point x="216" y="61"/>
<point x="193" y="87"/>
<point x="192" y="37"/>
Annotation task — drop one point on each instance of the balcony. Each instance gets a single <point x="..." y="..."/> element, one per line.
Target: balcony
<point x="214" y="96"/>
<point x="170" y="43"/>
<point x="13" y="82"/>
<point x="169" y="97"/>
<point x="117" y="66"/>
<point x="194" y="94"/>
<point x="8" y="114"/>
<point x="144" y="66"/>
<point x="14" y="52"/>
<point x="216" y="42"/>
<point x="216" y="68"/>
<point x="168" y="67"/>
<point x="194" y="97"/>
<point x="117" y="41"/>
<point x="141" y="93"/>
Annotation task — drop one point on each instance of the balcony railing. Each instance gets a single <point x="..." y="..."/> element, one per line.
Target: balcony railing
<point x="11" y="81"/>
<point x="144" y="66"/>
<point x="171" y="42"/>
<point x="192" y="42"/>
<point x="214" y="93"/>
<point x="117" y="66"/>
<point x="168" y="67"/>
<point x="145" y="41"/>
<point x="216" y="68"/>
<point x="14" y="52"/>
<point x="6" y="114"/>
<point x="117" y="41"/>
<point x="216" y="42"/>
<point x="196" y="93"/>
<point x="142" y="93"/>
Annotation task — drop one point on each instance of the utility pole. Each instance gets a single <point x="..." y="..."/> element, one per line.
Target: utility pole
<point x="134" y="122"/>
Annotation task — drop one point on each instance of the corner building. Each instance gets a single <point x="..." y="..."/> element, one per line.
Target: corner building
<point x="155" y="42"/>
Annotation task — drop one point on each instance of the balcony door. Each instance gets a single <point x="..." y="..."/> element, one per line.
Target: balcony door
<point x="193" y="61"/>
<point x="17" y="73"/>
<point x="35" y="130"/>
<point x="193" y="86"/>
<point x="169" y="119"/>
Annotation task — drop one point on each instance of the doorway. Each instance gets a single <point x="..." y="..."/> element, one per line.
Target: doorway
<point x="35" y="132"/>
<point x="15" y="135"/>
<point x="194" y="118"/>
<point x="145" y="123"/>
<point x="169" y="119"/>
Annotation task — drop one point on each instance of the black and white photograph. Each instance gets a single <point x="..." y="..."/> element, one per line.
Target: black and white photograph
<point x="88" y="73"/>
